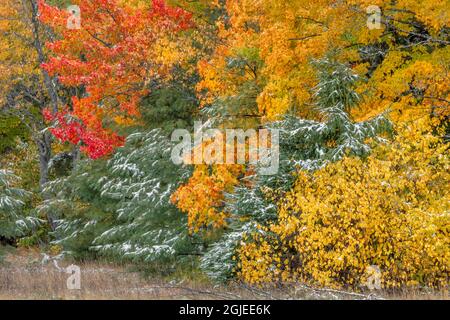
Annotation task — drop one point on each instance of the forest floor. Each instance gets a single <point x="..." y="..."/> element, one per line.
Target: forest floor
<point x="24" y="274"/>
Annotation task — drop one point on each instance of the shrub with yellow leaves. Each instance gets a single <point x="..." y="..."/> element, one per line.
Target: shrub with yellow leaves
<point x="258" y="261"/>
<point x="390" y="210"/>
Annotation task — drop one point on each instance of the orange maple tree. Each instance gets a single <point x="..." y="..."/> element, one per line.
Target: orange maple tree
<point x="112" y="57"/>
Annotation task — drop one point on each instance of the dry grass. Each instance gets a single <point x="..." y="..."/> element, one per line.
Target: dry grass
<point x="23" y="276"/>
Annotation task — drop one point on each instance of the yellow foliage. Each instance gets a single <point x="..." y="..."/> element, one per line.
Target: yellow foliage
<point x="410" y="88"/>
<point x="17" y="55"/>
<point x="258" y="262"/>
<point x="391" y="210"/>
<point x="288" y="34"/>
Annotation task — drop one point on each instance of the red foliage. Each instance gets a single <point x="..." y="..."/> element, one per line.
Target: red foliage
<point x="112" y="57"/>
<point x="95" y="142"/>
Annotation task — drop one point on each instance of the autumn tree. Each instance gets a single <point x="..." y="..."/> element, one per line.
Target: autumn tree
<point x="305" y="145"/>
<point x="26" y="87"/>
<point x="267" y="46"/>
<point x="113" y="58"/>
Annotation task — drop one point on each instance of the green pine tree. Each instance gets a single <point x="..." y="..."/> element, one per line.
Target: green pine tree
<point x="14" y="222"/>
<point x="121" y="208"/>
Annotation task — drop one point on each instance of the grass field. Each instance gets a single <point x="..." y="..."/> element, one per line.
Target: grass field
<point x="23" y="275"/>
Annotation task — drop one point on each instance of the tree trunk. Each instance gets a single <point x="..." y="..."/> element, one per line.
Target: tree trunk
<point x="44" y="149"/>
<point x="45" y="142"/>
<point x="49" y="82"/>
<point x="75" y="156"/>
<point x="44" y="145"/>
